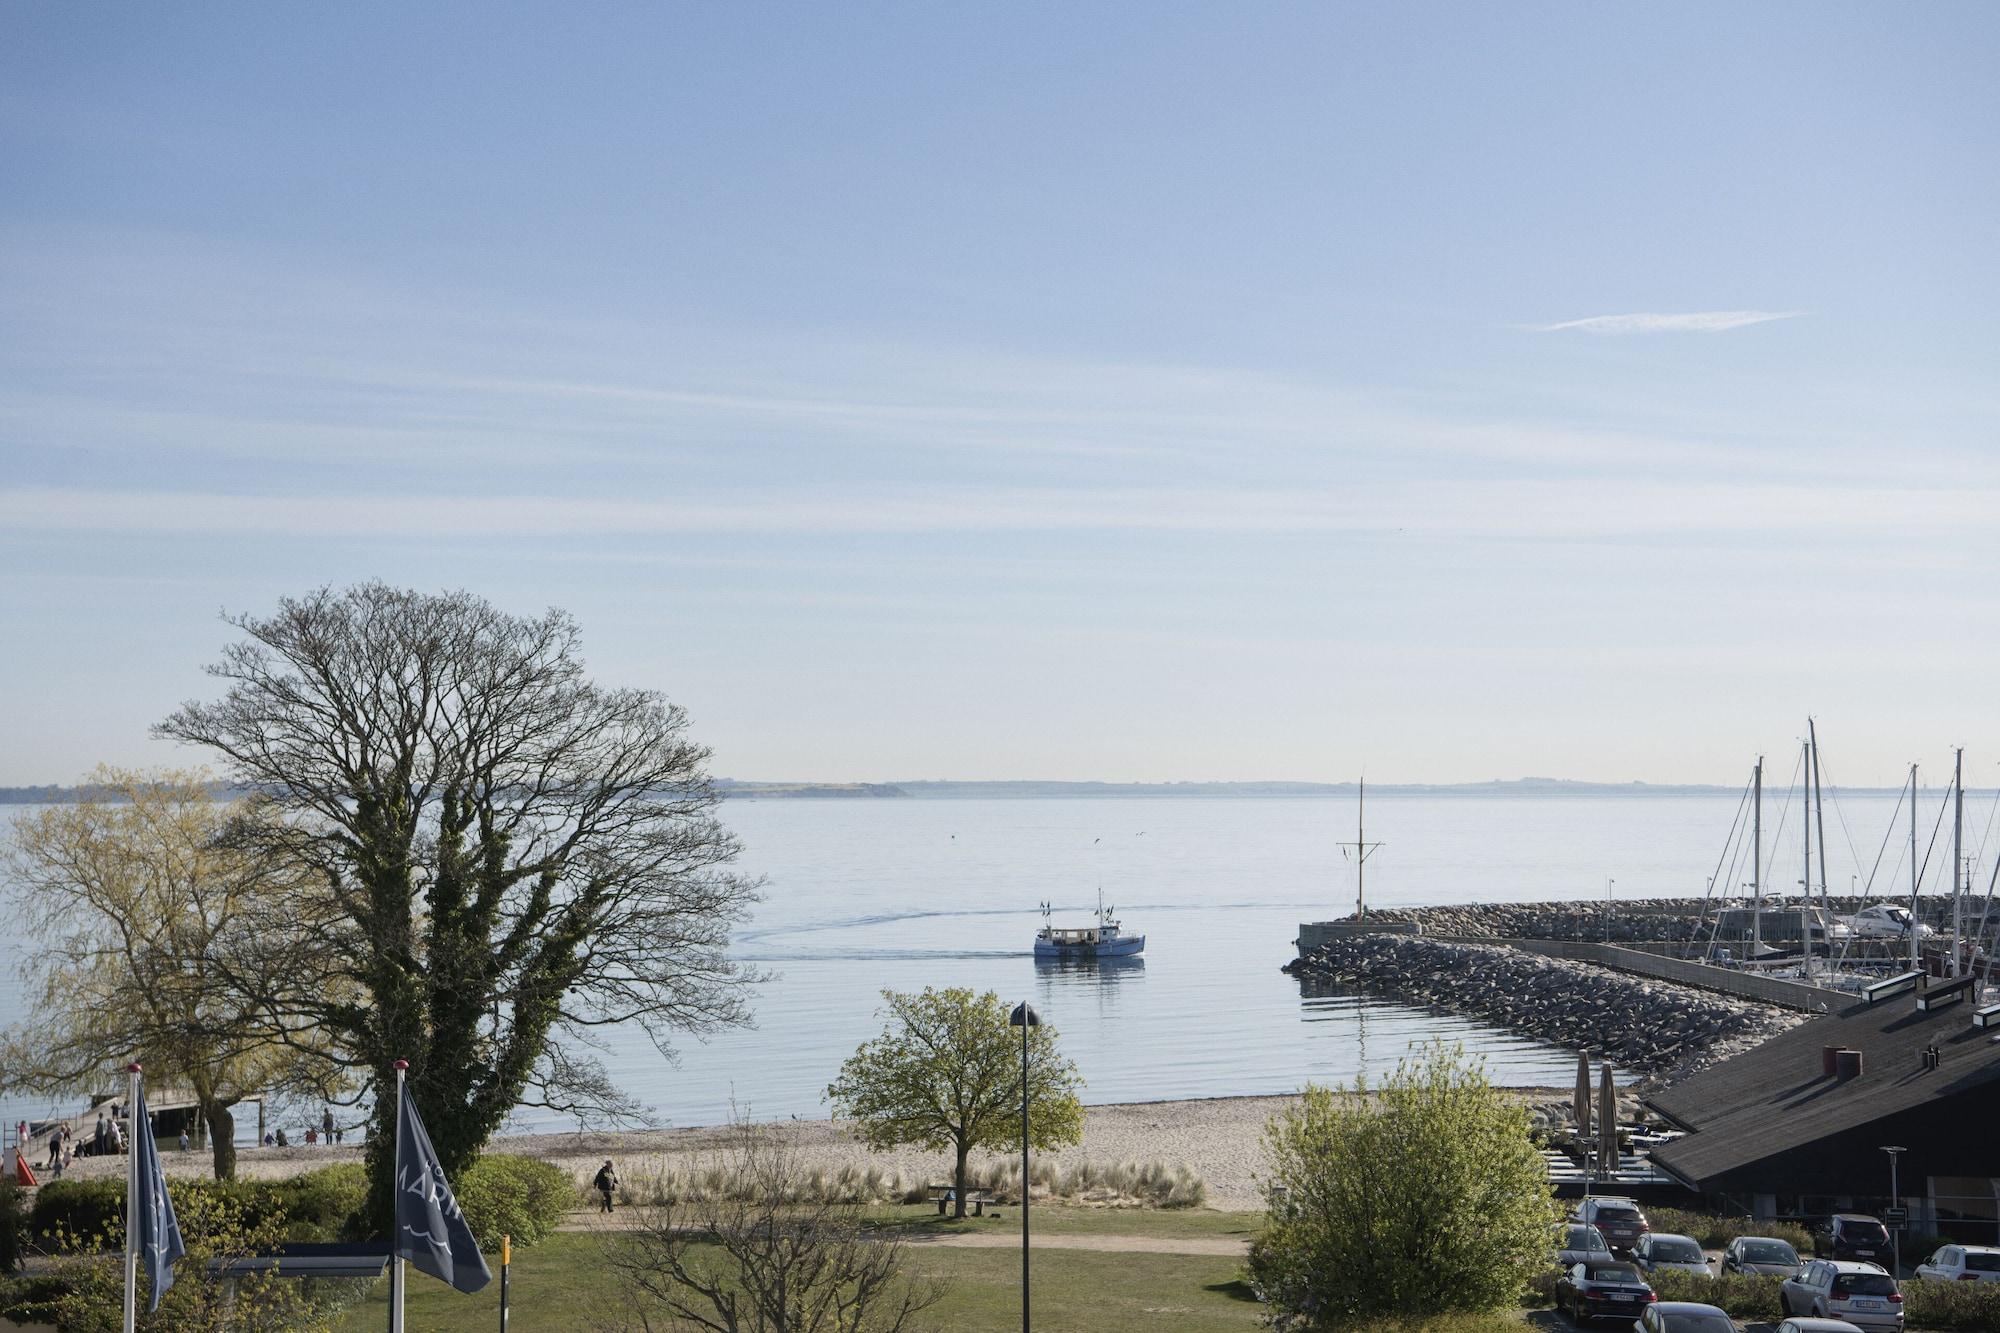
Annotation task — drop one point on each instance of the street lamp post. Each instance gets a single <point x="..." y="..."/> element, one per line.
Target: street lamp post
<point x="1895" y="1201"/>
<point x="1608" y="882"/>
<point x="1024" y="1017"/>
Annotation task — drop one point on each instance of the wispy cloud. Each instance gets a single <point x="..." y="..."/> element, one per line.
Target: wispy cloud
<point x="1693" y="321"/>
<point x="1525" y="510"/>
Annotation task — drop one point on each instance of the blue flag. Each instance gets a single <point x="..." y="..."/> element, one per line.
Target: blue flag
<point x="158" y="1236"/>
<point x="430" y="1231"/>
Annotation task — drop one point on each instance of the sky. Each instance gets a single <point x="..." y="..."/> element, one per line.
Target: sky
<point x="1120" y="391"/>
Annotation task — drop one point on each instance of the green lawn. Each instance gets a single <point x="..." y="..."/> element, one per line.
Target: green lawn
<point x="1076" y="1291"/>
<point x="551" y="1282"/>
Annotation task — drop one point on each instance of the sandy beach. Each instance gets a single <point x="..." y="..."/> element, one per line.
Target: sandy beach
<point x="1219" y="1138"/>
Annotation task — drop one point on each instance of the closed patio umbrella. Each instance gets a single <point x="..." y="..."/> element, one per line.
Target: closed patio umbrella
<point x="1581" y="1106"/>
<point x="1607" y="1120"/>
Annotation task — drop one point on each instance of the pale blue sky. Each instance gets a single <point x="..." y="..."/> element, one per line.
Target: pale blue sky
<point x="1136" y="391"/>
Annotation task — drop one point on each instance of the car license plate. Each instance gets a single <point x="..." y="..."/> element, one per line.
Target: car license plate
<point x="1867" y="1305"/>
<point x="1623" y="1296"/>
<point x="1865" y="1254"/>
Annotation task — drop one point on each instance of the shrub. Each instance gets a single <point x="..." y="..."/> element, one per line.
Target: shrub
<point x="505" y="1194"/>
<point x="32" y="1298"/>
<point x="1715" y="1232"/>
<point x="11" y="1223"/>
<point x="1428" y="1198"/>
<point x="78" y="1208"/>
<point x="1952" y="1307"/>
<point x="1741" y="1295"/>
<point x="314" y="1206"/>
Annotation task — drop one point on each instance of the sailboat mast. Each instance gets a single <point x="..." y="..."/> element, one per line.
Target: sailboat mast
<point x="1805" y="835"/>
<point x="1757" y="862"/>
<point x="1819" y="812"/>
<point x="1914" y="883"/>
<point x="1957" y="850"/>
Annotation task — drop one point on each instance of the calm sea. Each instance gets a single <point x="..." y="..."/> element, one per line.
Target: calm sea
<point x="863" y="895"/>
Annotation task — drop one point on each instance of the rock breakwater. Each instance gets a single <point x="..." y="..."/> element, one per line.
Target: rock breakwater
<point x="1651" y="1028"/>
<point x="1639" y="920"/>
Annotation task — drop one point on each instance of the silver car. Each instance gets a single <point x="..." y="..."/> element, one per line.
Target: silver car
<point x="1860" y="1293"/>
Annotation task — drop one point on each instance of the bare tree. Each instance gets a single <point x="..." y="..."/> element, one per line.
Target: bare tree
<point x="768" y="1254"/>
<point x="501" y="856"/>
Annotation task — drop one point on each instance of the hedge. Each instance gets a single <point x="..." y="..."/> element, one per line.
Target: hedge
<point x="1742" y="1295"/>
<point x="12" y="1221"/>
<point x="1952" y="1307"/>
<point x="501" y="1194"/>
<point x="1715" y="1233"/>
<point x="314" y="1206"/>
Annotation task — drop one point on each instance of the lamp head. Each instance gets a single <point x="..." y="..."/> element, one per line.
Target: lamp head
<point x="1024" y="1016"/>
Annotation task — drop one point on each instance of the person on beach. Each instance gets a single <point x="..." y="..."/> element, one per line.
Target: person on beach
<point x="607" y="1183"/>
<point x="184" y="1140"/>
<point x="100" y="1138"/>
<point x="326" y="1124"/>
<point x="55" y="1148"/>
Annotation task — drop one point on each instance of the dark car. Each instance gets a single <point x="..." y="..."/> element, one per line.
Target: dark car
<point x="1765" y="1256"/>
<point x="1599" y="1290"/>
<point x="1852" y="1236"/>
<point x="1684" y="1317"/>
<point x="1619" y="1220"/>
<point x="1579" y="1242"/>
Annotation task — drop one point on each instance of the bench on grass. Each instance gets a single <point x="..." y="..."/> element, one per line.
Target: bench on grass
<point x="976" y="1201"/>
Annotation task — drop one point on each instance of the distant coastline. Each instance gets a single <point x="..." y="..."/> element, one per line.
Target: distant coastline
<point x="944" y="789"/>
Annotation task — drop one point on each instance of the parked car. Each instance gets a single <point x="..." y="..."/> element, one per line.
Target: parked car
<point x="1962" y="1263"/>
<point x="1619" y="1220"/>
<point x="1763" y="1255"/>
<point x="1577" y="1242"/>
<point x="1684" y="1317"/>
<point x="1852" y="1236"/>
<point x="1817" y="1326"/>
<point x="1659" y="1251"/>
<point x="1886" y="921"/>
<point x="1599" y="1290"/>
<point x="1860" y="1293"/>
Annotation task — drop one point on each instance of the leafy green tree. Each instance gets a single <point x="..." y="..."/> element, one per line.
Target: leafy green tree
<point x="1424" y="1197"/>
<point x="129" y="896"/>
<point x="497" y="856"/>
<point x="946" y="1073"/>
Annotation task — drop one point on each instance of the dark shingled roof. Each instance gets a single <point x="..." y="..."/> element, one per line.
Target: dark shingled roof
<point x="1774" y="1102"/>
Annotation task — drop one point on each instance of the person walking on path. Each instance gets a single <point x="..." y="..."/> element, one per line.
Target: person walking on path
<point x="606" y="1183"/>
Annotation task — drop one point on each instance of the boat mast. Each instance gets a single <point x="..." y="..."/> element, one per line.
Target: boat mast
<point x="1362" y="850"/>
<point x="1805" y="838"/>
<point x="1957" y="849"/>
<point x="1757" y="862"/>
<point x="1819" y="813"/>
<point x="1914" y="884"/>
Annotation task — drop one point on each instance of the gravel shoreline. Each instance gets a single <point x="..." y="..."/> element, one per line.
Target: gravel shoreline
<point x="1220" y="1138"/>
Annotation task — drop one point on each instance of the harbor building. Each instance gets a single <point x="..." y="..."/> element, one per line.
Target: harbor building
<point x="1796" y="1128"/>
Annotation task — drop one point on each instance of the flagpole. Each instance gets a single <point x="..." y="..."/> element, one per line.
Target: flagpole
<point x="132" y="1074"/>
<point x="395" y="1251"/>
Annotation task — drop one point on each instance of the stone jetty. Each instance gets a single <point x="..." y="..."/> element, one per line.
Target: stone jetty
<point x="1651" y="1028"/>
<point x="1629" y="921"/>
